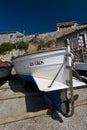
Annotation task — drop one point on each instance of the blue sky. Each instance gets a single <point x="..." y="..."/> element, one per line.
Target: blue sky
<point x="40" y="16"/>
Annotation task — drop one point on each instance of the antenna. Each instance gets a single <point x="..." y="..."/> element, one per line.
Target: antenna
<point x="24" y="32"/>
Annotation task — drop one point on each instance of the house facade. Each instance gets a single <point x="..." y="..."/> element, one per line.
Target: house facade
<point x="11" y="37"/>
<point x="77" y="36"/>
<point x="78" y="40"/>
<point x="66" y="25"/>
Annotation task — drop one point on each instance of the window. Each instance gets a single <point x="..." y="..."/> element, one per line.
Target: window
<point x="11" y="36"/>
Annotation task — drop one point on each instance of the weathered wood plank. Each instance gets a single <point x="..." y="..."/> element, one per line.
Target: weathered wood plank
<point x="80" y="102"/>
<point x="23" y="116"/>
<point x="10" y="87"/>
<point x="18" y="95"/>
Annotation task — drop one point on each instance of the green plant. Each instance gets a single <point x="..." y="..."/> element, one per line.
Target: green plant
<point x="21" y="45"/>
<point x="7" y="47"/>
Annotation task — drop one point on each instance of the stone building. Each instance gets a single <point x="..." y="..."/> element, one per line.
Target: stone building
<point x="78" y="40"/>
<point x="66" y="25"/>
<point x="11" y="37"/>
<point x="77" y="36"/>
<point x="71" y="30"/>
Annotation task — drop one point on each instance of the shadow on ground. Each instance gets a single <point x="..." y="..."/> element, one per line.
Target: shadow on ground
<point x="36" y="101"/>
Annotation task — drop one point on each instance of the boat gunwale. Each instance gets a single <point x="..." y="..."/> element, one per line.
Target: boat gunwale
<point x="37" y="52"/>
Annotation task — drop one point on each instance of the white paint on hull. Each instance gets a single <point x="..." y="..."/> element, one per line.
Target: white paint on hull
<point x="46" y="67"/>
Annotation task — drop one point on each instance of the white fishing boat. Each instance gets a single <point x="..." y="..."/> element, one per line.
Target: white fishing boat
<point x="44" y="67"/>
<point x="5" y="68"/>
<point x="48" y="69"/>
<point x="51" y="71"/>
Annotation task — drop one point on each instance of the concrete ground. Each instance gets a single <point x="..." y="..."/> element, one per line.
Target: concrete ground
<point x="55" y="121"/>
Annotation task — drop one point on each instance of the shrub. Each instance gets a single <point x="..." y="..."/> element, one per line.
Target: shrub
<point x="21" y="45"/>
<point x="7" y="47"/>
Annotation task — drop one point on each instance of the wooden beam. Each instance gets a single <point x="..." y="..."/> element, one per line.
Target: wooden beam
<point x="80" y="102"/>
<point x="18" y="95"/>
<point x="11" y="87"/>
<point x="80" y="87"/>
<point x="23" y="116"/>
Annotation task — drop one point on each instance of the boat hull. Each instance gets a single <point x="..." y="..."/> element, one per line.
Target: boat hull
<point x="5" y="71"/>
<point x="49" y="65"/>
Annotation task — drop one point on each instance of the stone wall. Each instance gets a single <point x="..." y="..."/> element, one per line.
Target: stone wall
<point x="44" y="36"/>
<point x="14" y="52"/>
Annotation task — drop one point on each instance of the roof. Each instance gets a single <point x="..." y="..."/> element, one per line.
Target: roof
<point x="10" y="32"/>
<point x="66" y="24"/>
<point x="69" y="31"/>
